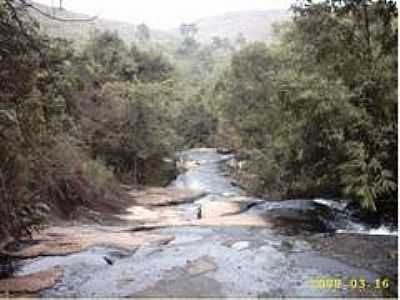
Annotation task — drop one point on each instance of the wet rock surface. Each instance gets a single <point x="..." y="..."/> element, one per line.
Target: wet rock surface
<point x="225" y="244"/>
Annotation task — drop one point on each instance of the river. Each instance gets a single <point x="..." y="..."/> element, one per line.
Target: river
<point x="307" y="244"/>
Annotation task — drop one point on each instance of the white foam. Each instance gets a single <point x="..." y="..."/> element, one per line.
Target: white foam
<point x="331" y="203"/>
<point x="382" y="230"/>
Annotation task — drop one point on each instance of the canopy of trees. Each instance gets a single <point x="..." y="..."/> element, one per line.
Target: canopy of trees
<point x="316" y="111"/>
<point x="319" y="110"/>
<point x="72" y="121"/>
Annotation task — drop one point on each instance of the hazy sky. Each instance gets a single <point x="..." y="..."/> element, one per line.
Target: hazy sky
<point x="165" y="14"/>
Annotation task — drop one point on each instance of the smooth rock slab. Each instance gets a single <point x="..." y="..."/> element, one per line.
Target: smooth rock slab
<point x="32" y="283"/>
<point x="219" y="208"/>
<point x="191" y="287"/>
<point x="55" y="241"/>
<point x="154" y="215"/>
<point x="164" y="196"/>
<point x="202" y="265"/>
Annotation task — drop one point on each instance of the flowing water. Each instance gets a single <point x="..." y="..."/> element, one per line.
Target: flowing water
<point x="307" y="240"/>
<point x="318" y="215"/>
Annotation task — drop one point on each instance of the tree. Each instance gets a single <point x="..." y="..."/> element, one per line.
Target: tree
<point x="319" y="110"/>
<point x="143" y="33"/>
<point x="130" y="128"/>
<point x="150" y="65"/>
<point x="189" y="44"/>
<point x="216" y="42"/>
<point x="221" y="43"/>
<point x="226" y="44"/>
<point x="240" y="40"/>
<point x="365" y="35"/>
<point x="49" y="131"/>
<point x="188" y="30"/>
<point x="108" y="56"/>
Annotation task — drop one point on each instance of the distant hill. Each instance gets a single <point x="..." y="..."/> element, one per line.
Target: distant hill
<point x="254" y="25"/>
<point x="80" y="31"/>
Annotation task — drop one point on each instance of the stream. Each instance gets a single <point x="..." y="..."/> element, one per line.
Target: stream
<point x="307" y="242"/>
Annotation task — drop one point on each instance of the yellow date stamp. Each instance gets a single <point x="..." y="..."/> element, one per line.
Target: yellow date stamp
<point x="352" y="283"/>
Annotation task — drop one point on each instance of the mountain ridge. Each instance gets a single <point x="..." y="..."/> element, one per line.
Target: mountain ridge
<point x="80" y="31"/>
<point x="255" y="25"/>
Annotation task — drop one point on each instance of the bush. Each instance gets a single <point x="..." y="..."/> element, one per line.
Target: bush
<point x="130" y="130"/>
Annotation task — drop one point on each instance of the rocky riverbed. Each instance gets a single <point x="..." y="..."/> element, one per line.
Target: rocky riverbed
<point x="204" y="237"/>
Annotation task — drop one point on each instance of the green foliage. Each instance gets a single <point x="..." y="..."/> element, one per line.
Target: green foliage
<point x="130" y="129"/>
<point x="106" y="52"/>
<point x="318" y="110"/>
<point x="143" y="33"/>
<point x="189" y="44"/>
<point x="365" y="35"/>
<point x="109" y="59"/>
<point x="103" y="177"/>
<point x="151" y="66"/>
<point x="70" y="121"/>
<point x="247" y="95"/>
<point x="196" y="126"/>
<point x="240" y="40"/>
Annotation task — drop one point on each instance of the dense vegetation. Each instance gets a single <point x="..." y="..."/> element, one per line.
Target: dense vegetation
<point x="318" y="110"/>
<point x="315" y="113"/>
<point x="74" y="123"/>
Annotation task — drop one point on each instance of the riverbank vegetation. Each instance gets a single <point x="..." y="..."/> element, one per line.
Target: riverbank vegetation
<point x="74" y="123"/>
<point x="315" y="112"/>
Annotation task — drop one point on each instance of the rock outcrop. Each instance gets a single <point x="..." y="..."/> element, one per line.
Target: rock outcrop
<point x="32" y="283"/>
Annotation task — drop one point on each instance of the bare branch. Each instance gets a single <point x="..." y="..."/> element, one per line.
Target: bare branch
<point x="21" y="27"/>
<point x="25" y="4"/>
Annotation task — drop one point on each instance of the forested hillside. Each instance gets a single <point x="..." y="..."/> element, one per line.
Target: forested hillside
<point x="252" y="25"/>
<point x="81" y="31"/>
<point x="135" y="165"/>
<point x="317" y="113"/>
<point x="74" y="123"/>
<point x="314" y="114"/>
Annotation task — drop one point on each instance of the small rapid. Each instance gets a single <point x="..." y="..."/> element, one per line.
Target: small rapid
<point x="204" y="172"/>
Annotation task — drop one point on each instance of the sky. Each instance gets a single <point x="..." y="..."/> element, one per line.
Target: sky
<point x="165" y="14"/>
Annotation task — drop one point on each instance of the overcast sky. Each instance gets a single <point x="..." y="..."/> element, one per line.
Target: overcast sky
<point x="165" y="14"/>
